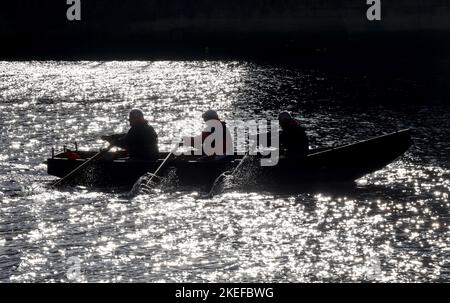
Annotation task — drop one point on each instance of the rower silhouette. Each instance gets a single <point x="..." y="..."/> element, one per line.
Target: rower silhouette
<point x="293" y="139"/>
<point x="215" y="141"/>
<point x="141" y="141"/>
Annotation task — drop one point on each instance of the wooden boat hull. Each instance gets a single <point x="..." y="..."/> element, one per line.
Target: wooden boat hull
<point x="338" y="164"/>
<point x="343" y="163"/>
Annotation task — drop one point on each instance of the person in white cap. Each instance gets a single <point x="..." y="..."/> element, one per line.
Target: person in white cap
<point x="141" y="141"/>
<point x="293" y="139"/>
<point x="215" y="140"/>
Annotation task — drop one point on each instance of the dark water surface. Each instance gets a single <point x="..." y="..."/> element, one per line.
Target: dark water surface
<point x="392" y="225"/>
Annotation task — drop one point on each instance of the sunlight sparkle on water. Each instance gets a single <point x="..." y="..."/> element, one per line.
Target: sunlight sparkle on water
<point x="392" y="226"/>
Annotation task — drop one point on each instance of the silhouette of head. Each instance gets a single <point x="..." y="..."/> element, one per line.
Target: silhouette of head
<point x="284" y="118"/>
<point x="210" y="115"/>
<point x="136" y="117"/>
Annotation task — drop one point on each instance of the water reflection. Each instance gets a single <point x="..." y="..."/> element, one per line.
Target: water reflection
<point x="390" y="226"/>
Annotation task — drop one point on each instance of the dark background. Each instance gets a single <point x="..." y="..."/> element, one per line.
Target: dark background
<point x="232" y="29"/>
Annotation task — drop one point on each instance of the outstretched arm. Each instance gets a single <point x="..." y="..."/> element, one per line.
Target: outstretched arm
<point x="190" y="141"/>
<point x="118" y="140"/>
<point x="257" y="138"/>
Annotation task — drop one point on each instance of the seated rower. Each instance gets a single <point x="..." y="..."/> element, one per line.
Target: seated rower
<point x="293" y="138"/>
<point x="215" y="141"/>
<point x="141" y="141"/>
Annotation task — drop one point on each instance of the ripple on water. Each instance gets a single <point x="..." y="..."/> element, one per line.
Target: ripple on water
<point x="392" y="226"/>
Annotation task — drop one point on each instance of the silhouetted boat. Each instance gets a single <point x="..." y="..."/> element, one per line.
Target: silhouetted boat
<point x="334" y="164"/>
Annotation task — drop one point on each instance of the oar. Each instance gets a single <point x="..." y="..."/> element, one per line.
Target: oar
<point x="60" y="181"/>
<point x="162" y="164"/>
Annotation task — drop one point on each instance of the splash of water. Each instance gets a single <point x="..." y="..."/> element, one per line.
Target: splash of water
<point x="243" y="176"/>
<point x="150" y="184"/>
